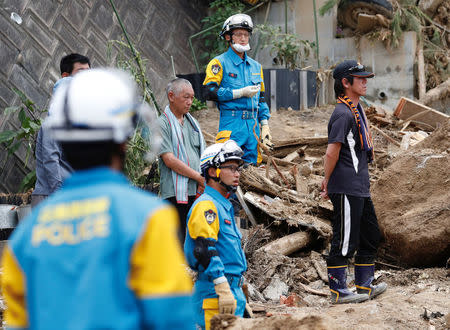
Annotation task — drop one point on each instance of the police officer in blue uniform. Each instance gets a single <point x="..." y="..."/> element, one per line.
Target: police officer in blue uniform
<point x="236" y="83"/>
<point x="98" y="253"/>
<point x="213" y="240"/>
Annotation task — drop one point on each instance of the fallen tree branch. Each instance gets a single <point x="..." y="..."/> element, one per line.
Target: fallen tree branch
<point x="316" y="292"/>
<point x="439" y="92"/>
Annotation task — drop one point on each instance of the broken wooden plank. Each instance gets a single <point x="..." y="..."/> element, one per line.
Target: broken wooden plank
<point x="385" y="135"/>
<point x="288" y="244"/>
<point x="269" y="161"/>
<point x="286" y="182"/>
<point x="381" y="120"/>
<point x="421" y="81"/>
<point x="407" y="108"/>
<point x="247" y="211"/>
<point x="278" y="161"/>
<point x="322" y="274"/>
<point x="293" y="155"/>
<point x="316" y="292"/>
<point x="312" y="141"/>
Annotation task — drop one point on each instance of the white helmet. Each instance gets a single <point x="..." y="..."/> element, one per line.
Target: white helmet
<point x="101" y="105"/>
<point x="238" y="21"/>
<point x="96" y="105"/>
<point x="219" y="153"/>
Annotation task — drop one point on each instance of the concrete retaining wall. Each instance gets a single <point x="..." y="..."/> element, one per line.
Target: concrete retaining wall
<point x="30" y="52"/>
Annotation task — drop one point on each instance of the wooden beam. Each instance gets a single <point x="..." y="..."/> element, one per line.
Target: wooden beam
<point x="288" y="244"/>
<point x="312" y="141"/>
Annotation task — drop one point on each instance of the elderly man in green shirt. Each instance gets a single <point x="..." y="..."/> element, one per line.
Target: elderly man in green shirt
<point x="182" y="145"/>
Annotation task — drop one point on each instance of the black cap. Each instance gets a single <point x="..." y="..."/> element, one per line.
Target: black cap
<point x="351" y="68"/>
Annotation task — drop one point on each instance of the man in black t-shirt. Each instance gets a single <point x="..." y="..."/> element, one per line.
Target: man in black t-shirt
<point x="346" y="183"/>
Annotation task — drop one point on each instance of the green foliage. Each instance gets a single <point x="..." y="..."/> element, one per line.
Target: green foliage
<point x="197" y="105"/>
<point x="25" y="135"/>
<point x="288" y="49"/>
<point x="220" y="10"/>
<point x="28" y="181"/>
<point x="138" y="146"/>
<point x="407" y="17"/>
<point x="327" y="7"/>
<point x="135" y="163"/>
<point x="134" y="65"/>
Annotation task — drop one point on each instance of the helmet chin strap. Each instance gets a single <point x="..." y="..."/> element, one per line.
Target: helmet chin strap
<point x="229" y="188"/>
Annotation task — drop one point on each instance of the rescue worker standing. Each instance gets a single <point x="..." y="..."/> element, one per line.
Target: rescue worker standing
<point x="99" y="253"/>
<point x="236" y="83"/>
<point x="213" y="240"/>
<point x="346" y="183"/>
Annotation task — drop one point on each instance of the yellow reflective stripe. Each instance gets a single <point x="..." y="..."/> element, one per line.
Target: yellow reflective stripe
<point x="198" y="225"/>
<point x="364" y="264"/>
<point x="157" y="264"/>
<point x="210" y="308"/>
<point x="210" y="76"/>
<point x="364" y="288"/>
<point x="13" y="290"/>
<point x="336" y="293"/>
<point x="337" y="267"/>
<point x="263" y="88"/>
<point x="223" y="136"/>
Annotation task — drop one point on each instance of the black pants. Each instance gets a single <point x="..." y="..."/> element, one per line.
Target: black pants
<point x="183" y="210"/>
<point x="355" y="228"/>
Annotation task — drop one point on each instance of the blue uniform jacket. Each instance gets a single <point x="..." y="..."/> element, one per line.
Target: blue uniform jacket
<point x="227" y="72"/>
<point x="97" y="254"/>
<point x="212" y="217"/>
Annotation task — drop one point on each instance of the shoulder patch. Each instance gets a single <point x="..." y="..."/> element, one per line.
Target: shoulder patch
<point x="215" y="68"/>
<point x="210" y="216"/>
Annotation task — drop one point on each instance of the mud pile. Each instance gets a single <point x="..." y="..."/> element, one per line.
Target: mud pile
<point x="412" y="199"/>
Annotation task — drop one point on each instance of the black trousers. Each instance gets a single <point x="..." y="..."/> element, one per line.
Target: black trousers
<point x="183" y="210"/>
<point x="355" y="228"/>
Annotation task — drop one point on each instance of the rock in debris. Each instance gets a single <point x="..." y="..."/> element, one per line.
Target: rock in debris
<point x="275" y="289"/>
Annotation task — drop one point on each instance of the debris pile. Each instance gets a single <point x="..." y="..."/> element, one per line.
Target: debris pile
<point x="286" y="250"/>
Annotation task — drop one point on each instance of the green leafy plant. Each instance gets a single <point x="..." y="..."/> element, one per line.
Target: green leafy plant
<point x="25" y="135"/>
<point x="289" y="50"/>
<point x="197" y="105"/>
<point x="328" y="6"/>
<point x="136" y="166"/>
<point x="220" y="10"/>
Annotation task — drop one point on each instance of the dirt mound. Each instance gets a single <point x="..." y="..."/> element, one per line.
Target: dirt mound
<point x="412" y="199"/>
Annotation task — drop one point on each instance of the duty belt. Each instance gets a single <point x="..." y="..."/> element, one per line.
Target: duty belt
<point x="244" y="114"/>
<point x="235" y="280"/>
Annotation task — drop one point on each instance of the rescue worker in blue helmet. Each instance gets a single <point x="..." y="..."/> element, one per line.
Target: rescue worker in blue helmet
<point x="213" y="240"/>
<point x="236" y="83"/>
<point x="98" y="253"/>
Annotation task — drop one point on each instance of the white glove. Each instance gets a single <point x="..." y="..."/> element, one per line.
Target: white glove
<point x="248" y="91"/>
<point x="265" y="137"/>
